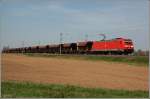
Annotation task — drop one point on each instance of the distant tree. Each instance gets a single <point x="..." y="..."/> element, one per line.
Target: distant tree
<point x="140" y="52"/>
<point x="147" y="53"/>
<point x="5" y="48"/>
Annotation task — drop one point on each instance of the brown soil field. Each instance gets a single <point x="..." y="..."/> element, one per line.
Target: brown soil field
<point x="84" y="73"/>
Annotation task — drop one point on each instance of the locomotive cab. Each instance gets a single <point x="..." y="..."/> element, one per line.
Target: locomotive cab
<point x="128" y="46"/>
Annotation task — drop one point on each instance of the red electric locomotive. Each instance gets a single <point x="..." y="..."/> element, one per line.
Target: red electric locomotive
<point x="118" y="45"/>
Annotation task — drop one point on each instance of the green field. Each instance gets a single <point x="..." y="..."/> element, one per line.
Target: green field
<point x="135" y="60"/>
<point x="27" y="89"/>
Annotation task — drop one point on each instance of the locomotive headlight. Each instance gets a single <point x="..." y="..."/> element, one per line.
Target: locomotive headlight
<point x="131" y="45"/>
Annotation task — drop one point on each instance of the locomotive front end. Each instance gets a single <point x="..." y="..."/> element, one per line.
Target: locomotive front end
<point x="128" y="46"/>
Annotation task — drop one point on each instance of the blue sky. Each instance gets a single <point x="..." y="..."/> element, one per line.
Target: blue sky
<point x="34" y="21"/>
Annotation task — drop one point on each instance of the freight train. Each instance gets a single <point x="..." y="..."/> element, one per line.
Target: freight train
<point x="113" y="46"/>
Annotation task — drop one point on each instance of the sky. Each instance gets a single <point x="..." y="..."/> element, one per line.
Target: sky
<point x="34" y="22"/>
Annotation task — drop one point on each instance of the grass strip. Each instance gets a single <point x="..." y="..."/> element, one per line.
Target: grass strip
<point x="133" y="60"/>
<point x="13" y="89"/>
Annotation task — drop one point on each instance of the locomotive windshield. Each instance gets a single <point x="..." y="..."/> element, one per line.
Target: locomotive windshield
<point x="128" y="42"/>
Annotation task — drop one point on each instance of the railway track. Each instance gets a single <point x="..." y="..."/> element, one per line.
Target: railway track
<point x="98" y="55"/>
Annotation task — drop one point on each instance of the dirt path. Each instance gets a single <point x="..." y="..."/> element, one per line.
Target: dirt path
<point x="75" y="72"/>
